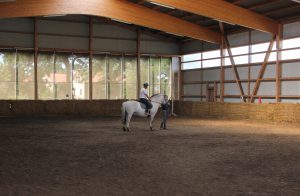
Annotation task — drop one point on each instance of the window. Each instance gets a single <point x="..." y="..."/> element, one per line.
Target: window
<point x="209" y="59"/>
<point x="154" y="85"/>
<point x="156" y="71"/>
<point x="291" y="43"/>
<point x="290" y="54"/>
<point x="165" y="76"/>
<point x="191" y="57"/>
<point x="238" y="50"/>
<point x="262" y="47"/>
<point x="99" y="77"/>
<point x="45" y="74"/>
<point x="144" y="69"/>
<point x="25" y="75"/>
<point x="7" y="75"/>
<point x="192" y="65"/>
<point x="211" y="63"/>
<point x="211" y="54"/>
<point x="66" y="76"/>
<point x="130" y="77"/>
<point x="115" y="77"/>
<point x="258" y="58"/>
<point x="80" y="77"/>
<point x="63" y="76"/>
<point x="241" y="59"/>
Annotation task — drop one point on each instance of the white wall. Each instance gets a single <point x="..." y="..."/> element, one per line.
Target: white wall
<point x="72" y="32"/>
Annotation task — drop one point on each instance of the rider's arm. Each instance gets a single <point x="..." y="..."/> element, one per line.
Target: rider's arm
<point x="145" y="93"/>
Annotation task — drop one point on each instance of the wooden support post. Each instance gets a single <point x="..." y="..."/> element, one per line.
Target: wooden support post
<point x="278" y="63"/>
<point x="249" y="61"/>
<point x="180" y="80"/>
<point x="138" y="65"/>
<point x="225" y="42"/>
<point x="207" y="92"/>
<point x="215" y="91"/>
<point x="236" y="74"/>
<point x="35" y="58"/>
<point x="262" y="69"/>
<point x="201" y="73"/>
<point x="90" y="58"/>
<point x="222" y="72"/>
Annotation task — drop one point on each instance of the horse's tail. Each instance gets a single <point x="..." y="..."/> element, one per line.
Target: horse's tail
<point x="124" y="114"/>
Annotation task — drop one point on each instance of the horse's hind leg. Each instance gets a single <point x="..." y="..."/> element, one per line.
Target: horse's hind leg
<point x="128" y="121"/>
<point x="151" y="121"/>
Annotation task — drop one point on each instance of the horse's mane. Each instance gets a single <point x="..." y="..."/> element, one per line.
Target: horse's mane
<point x="155" y="95"/>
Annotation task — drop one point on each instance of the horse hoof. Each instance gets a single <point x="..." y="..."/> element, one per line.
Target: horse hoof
<point x="124" y="129"/>
<point x="151" y="129"/>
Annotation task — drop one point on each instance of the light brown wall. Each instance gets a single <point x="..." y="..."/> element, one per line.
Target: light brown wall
<point x="280" y="112"/>
<point x="61" y="107"/>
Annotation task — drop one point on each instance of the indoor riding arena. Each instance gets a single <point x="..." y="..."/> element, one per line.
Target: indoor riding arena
<point x="225" y="74"/>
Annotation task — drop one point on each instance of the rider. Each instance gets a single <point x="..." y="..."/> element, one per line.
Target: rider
<point x="144" y="98"/>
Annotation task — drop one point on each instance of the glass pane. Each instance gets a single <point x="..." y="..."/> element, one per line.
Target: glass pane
<point x="211" y="54"/>
<point x="211" y="63"/>
<point x="192" y="65"/>
<point x="25" y="75"/>
<point x="165" y="77"/>
<point x="144" y="67"/>
<point x="272" y="56"/>
<point x="291" y="43"/>
<point x="258" y="58"/>
<point x="238" y="50"/>
<point x="191" y="57"/>
<point x="227" y="61"/>
<point x="63" y="76"/>
<point x="45" y="74"/>
<point x="241" y="59"/>
<point x="262" y="47"/>
<point x="115" y="78"/>
<point x="130" y="77"/>
<point x="7" y="75"/>
<point x="99" y="77"/>
<point x="81" y="77"/>
<point x="154" y="86"/>
<point x="290" y="54"/>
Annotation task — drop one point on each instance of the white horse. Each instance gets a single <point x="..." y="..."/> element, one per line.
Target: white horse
<point x="130" y="108"/>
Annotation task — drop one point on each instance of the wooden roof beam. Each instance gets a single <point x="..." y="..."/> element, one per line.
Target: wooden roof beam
<point x="116" y="9"/>
<point x="224" y="12"/>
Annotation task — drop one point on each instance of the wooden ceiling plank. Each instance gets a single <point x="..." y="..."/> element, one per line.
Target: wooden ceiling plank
<point x="225" y="12"/>
<point x="116" y="9"/>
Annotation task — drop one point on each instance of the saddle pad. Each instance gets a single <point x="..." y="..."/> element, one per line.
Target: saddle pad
<point x="142" y="105"/>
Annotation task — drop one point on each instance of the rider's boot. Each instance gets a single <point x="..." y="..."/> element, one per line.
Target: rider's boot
<point x="147" y="113"/>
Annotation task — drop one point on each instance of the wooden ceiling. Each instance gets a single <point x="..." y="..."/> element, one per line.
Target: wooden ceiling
<point x="184" y="20"/>
<point x="276" y="10"/>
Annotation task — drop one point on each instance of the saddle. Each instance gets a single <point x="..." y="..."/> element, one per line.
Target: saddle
<point x="143" y="105"/>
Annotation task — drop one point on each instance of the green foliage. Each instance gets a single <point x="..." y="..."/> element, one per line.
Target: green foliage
<point x="61" y="75"/>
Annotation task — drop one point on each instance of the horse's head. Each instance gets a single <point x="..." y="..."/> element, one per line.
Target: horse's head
<point x="160" y="98"/>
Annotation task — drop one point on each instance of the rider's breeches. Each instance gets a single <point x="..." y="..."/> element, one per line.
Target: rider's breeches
<point x="146" y="102"/>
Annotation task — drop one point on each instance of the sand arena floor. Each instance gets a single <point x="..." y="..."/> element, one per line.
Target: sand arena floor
<point x="93" y="156"/>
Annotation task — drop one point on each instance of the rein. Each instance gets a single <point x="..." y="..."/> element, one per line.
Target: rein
<point x="156" y="102"/>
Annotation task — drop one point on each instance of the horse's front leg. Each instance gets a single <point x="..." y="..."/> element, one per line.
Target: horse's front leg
<point x="151" y="121"/>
